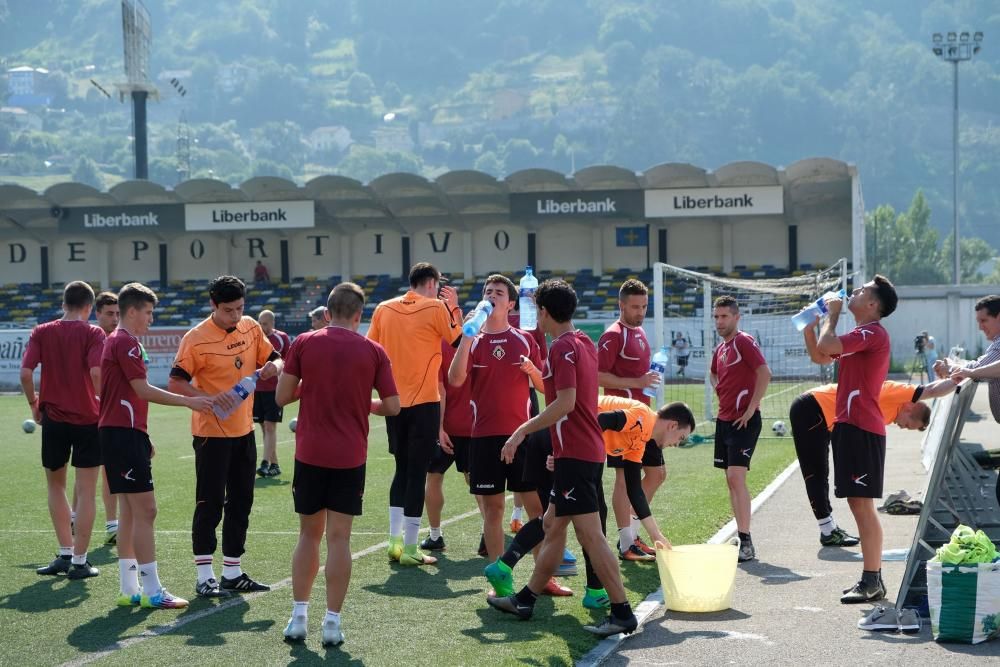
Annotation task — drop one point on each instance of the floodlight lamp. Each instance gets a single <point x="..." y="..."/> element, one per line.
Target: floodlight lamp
<point x="937" y="37"/>
<point x="976" y="49"/>
<point x="964" y="37"/>
<point x="952" y="37"/>
<point x="952" y="51"/>
<point x="938" y="51"/>
<point x="978" y="37"/>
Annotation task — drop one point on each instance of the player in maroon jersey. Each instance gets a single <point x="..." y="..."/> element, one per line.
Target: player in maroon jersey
<point x="266" y="412"/>
<point x="740" y="376"/>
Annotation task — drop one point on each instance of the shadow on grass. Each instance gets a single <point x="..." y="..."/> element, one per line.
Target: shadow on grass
<point x="46" y="594"/>
<point x="270" y="481"/>
<point x="433" y="582"/>
<point x="497" y="627"/>
<point x="109" y="631"/>
<point x="771" y="574"/>
<point x="314" y="653"/>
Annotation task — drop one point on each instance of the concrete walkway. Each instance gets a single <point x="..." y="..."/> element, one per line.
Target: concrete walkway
<point x="786" y="608"/>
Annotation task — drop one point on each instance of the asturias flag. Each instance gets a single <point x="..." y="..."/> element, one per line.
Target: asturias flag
<point x="631" y="236"/>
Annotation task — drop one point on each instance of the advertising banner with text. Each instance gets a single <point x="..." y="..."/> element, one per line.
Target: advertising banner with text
<point x="579" y="204"/>
<point x="705" y="202"/>
<point x="102" y="220"/>
<point x="232" y="216"/>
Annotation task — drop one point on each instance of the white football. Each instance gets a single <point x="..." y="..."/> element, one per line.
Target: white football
<point x="779" y="428"/>
<point x="292" y="424"/>
<point x="29" y="425"/>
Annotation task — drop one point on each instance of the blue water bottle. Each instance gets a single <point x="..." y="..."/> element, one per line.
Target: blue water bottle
<point x="240" y="392"/>
<point x="817" y="308"/>
<point x="658" y="364"/>
<point x="526" y="300"/>
<point x="472" y="326"/>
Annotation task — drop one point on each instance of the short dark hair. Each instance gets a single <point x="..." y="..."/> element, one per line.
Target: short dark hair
<point x="885" y="292"/>
<point x="105" y="299"/>
<point x="990" y="304"/>
<point x="78" y="294"/>
<point x="923" y="413"/>
<point x="727" y="301"/>
<point x="226" y="289"/>
<point x="422" y="272"/>
<point x="346" y="300"/>
<point x="558" y="298"/>
<point x="632" y="287"/>
<point x="678" y="412"/>
<point x="500" y="278"/>
<point x="134" y="295"/>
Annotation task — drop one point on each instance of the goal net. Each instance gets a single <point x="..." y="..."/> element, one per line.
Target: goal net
<point x="682" y="310"/>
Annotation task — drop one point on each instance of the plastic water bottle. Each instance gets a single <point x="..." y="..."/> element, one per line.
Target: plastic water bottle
<point x="658" y="364"/>
<point x="472" y="326"/>
<point x="240" y="391"/>
<point x="817" y="308"/>
<point x="526" y="300"/>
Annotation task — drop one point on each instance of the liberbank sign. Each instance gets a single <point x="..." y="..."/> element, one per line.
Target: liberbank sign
<point x="704" y="202"/>
<point x="116" y="220"/>
<point x="577" y="204"/>
<point x="245" y="215"/>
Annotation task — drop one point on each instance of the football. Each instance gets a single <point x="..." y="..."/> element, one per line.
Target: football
<point x="292" y="424"/>
<point x="779" y="428"/>
<point x="29" y="425"/>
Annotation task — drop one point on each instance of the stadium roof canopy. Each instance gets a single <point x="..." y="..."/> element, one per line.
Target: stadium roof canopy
<point x="405" y="201"/>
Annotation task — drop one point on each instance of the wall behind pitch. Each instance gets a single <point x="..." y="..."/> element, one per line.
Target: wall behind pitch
<point x="313" y="252"/>
<point x="136" y="258"/>
<point x="823" y="241"/>
<point x="441" y="246"/>
<point x="695" y="243"/>
<point x="247" y="248"/>
<point x="77" y="258"/>
<point x="614" y="256"/>
<point x="564" y="246"/>
<point x="499" y="248"/>
<point x="197" y="257"/>
<point x="760" y="240"/>
<point x="376" y="251"/>
<point x="20" y="261"/>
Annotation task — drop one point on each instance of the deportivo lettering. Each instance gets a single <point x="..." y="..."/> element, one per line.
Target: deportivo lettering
<point x="688" y="202"/>
<point x="551" y="206"/>
<point x="94" y="220"/>
<point x="281" y="215"/>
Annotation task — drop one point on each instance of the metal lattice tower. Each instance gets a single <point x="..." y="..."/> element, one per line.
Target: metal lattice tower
<point x="183" y="149"/>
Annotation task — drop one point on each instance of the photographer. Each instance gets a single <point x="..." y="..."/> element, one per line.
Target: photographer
<point x="929" y="351"/>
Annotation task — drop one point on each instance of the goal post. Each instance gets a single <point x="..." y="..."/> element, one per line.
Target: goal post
<point x="682" y="309"/>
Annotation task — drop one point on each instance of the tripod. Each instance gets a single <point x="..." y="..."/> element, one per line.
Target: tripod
<point x="919" y="367"/>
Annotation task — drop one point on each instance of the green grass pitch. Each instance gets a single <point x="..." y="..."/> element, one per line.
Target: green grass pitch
<point x="392" y="615"/>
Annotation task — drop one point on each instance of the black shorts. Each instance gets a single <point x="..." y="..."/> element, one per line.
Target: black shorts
<point x="128" y="459"/>
<point x="537" y="449"/>
<point x="60" y="439"/>
<point x="415" y="428"/>
<point x="577" y="487"/>
<point x="858" y="462"/>
<point x="733" y="446"/>
<point x="265" y="409"/>
<point x="652" y="457"/>
<point x="808" y="424"/>
<point x="316" y="488"/>
<point x="682" y="361"/>
<point x="442" y="460"/>
<point x="488" y="475"/>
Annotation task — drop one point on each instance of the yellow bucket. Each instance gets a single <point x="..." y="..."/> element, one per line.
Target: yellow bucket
<point x="698" y="577"/>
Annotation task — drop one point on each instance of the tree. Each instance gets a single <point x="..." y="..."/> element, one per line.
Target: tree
<point x="360" y="88"/>
<point x="280" y="142"/>
<point x="85" y="171"/>
<point x="974" y="252"/>
<point x="392" y="96"/>
<point x="489" y="163"/>
<point x="916" y="244"/>
<point x="364" y="163"/>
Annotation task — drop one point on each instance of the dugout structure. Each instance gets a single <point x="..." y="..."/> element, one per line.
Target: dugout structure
<point x="682" y="307"/>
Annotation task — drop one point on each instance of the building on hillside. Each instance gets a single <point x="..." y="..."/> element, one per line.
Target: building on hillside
<point x="23" y="119"/>
<point x="329" y="138"/>
<point x="393" y="138"/>
<point x="26" y="87"/>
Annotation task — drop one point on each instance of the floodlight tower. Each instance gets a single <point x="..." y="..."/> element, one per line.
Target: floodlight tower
<point x="957" y="49"/>
<point x="137" y="33"/>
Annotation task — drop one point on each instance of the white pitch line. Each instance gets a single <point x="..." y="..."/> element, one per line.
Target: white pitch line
<point x="197" y="616"/>
<point x="645" y="609"/>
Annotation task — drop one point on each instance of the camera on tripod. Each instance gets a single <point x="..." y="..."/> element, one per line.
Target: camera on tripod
<point x="919" y="342"/>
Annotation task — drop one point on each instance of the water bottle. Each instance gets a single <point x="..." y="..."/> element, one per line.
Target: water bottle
<point x="658" y="364"/>
<point x="526" y="300"/>
<point x="472" y="326"/>
<point x="817" y="308"/>
<point x="240" y="391"/>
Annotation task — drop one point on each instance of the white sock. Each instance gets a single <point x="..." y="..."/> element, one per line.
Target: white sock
<point x="80" y="559"/>
<point x="150" y="579"/>
<point x="395" y="521"/>
<point x="66" y="551"/>
<point x="517" y="513"/>
<point x="625" y="538"/>
<point x="635" y="525"/>
<point x="111" y="525"/>
<point x="231" y="568"/>
<point x="411" y="526"/>
<point x="128" y="575"/>
<point x="435" y="532"/>
<point x="300" y="609"/>
<point x="205" y="571"/>
<point x="827" y="525"/>
<point x="332" y="617"/>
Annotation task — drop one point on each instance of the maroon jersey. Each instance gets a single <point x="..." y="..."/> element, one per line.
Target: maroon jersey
<point x="124" y="360"/>
<point x="280" y="342"/>
<point x="457" y="408"/>
<point x="864" y="364"/>
<point x="500" y="389"/>
<point x="624" y="351"/>
<point x="67" y="350"/>
<point x="572" y="364"/>
<point x="338" y="369"/>
<point x="735" y="364"/>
